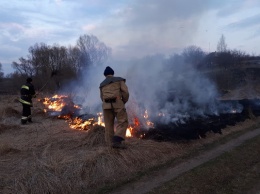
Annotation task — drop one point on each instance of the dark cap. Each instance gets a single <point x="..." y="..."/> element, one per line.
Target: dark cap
<point x="29" y="80"/>
<point x="108" y="71"/>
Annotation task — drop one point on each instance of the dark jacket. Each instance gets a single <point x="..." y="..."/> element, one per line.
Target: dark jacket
<point x="27" y="93"/>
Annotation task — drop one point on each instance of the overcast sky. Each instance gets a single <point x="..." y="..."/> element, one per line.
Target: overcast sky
<point x="132" y="28"/>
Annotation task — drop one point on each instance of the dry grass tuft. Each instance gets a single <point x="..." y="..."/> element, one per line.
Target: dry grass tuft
<point x="10" y="112"/>
<point x="6" y="149"/>
<point x="95" y="137"/>
<point x="5" y="127"/>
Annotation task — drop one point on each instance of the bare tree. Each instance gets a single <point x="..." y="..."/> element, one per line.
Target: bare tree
<point x="24" y="67"/>
<point x="93" y="52"/>
<point x="74" y="55"/>
<point x="66" y="64"/>
<point x="222" y="46"/>
<point x="193" y="55"/>
<point x="1" y="71"/>
<point x="39" y="57"/>
<point x="52" y="60"/>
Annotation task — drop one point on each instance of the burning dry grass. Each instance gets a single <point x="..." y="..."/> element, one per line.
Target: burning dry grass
<point x="49" y="157"/>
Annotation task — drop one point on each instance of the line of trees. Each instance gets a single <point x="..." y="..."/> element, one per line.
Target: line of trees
<point x="221" y="58"/>
<point x="1" y="72"/>
<point x="66" y="63"/>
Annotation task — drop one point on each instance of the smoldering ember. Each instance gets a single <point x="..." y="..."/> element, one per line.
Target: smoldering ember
<point x="152" y="126"/>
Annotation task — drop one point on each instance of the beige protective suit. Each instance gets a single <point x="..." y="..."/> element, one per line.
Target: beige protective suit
<point x="114" y="94"/>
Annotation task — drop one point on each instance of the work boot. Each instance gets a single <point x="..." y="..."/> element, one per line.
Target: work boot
<point x="117" y="142"/>
<point x="30" y="120"/>
<point x="23" y="121"/>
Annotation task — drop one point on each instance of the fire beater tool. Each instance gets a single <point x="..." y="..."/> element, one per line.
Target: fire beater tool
<point x="53" y="73"/>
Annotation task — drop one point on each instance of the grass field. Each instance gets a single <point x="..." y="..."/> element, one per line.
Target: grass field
<point x="48" y="156"/>
<point x="237" y="171"/>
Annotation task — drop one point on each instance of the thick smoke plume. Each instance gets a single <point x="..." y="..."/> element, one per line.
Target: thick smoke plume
<point x="169" y="90"/>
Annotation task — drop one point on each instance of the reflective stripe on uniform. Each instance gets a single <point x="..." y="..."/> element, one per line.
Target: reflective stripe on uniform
<point x="25" y="87"/>
<point x="24" y="102"/>
<point x="24" y="118"/>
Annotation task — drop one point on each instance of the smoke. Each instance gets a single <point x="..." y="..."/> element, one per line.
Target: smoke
<point x="170" y="90"/>
<point x="86" y="90"/>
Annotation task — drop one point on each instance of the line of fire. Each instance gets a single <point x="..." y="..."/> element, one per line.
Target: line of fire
<point x="149" y="126"/>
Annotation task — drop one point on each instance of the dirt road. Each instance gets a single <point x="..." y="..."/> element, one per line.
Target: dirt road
<point x="149" y="182"/>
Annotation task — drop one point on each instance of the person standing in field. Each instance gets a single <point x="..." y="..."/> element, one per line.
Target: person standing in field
<point x="114" y="94"/>
<point x="27" y="93"/>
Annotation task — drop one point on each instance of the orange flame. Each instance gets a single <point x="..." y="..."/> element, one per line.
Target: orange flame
<point x="58" y="102"/>
<point x="55" y="103"/>
<point x="129" y="131"/>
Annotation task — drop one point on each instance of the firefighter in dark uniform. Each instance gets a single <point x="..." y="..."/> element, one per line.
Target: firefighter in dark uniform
<point x="27" y="93"/>
<point x="114" y="94"/>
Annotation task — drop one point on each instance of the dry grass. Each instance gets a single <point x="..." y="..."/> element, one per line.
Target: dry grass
<point x="240" y="173"/>
<point x="49" y="157"/>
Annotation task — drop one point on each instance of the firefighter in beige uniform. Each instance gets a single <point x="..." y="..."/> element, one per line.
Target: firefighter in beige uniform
<point x="114" y="94"/>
